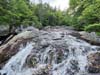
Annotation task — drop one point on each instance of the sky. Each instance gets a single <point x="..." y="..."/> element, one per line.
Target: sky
<point x="60" y="4"/>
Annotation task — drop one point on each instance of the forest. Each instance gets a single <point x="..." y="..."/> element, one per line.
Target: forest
<point x="39" y="39"/>
<point x="82" y="14"/>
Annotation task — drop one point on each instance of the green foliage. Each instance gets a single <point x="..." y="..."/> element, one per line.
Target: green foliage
<point x="80" y="14"/>
<point x="91" y="14"/>
<point x="16" y="13"/>
<point x="22" y="12"/>
<point x="98" y="33"/>
<point x="47" y="15"/>
<point x="93" y="28"/>
<point x="84" y="13"/>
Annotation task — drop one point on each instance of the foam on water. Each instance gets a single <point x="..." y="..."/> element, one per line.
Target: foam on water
<point x="16" y="63"/>
<point x="73" y="60"/>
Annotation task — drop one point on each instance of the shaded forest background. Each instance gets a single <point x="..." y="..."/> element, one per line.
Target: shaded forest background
<point x="82" y="14"/>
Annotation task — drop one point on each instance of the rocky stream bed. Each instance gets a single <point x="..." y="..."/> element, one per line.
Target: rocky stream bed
<point x="51" y="51"/>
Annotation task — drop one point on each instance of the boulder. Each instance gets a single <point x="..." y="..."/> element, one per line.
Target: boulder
<point x="94" y="62"/>
<point x="4" y="30"/>
<point x="11" y="47"/>
<point x="63" y="27"/>
<point x="41" y="69"/>
<point x="25" y="28"/>
<point x="90" y="37"/>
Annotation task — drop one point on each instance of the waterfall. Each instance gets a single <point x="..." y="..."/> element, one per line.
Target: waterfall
<point x="66" y="56"/>
<point x="16" y="63"/>
<point x="71" y="61"/>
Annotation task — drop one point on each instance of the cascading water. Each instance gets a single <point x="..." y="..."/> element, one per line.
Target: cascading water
<point x="16" y="63"/>
<point x="66" y="55"/>
<point x="69" y="61"/>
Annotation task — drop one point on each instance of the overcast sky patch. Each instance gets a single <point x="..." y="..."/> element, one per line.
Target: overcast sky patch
<point x="60" y="4"/>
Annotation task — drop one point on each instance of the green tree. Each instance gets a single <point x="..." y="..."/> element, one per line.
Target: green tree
<point x="16" y="13"/>
<point x="91" y="14"/>
<point x="84" y="12"/>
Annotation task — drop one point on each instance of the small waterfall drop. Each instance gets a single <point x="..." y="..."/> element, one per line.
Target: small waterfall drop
<point x="16" y="63"/>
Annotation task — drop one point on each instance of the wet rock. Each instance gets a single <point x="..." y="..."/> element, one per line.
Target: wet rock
<point x="75" y="34"/>
<point x="42" y="69"/>
<point x="31" y="28"/>
<point x="5" y="38"/>
<point x="3" y="58"/>
<point x="4" y="30"/>
<point x="50" y="28"/>
<point x="90" y="37"/>
<point x="74" y="64"/>
<point x="4" y="74"/>
<point x="11" y="48"/>
<point x="73" y="69"/>
<point x="94" y="62"/>
<point x="31" y="61"/>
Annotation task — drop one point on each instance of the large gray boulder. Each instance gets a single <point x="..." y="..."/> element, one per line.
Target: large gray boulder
<point x="11" y="47"/>
<point x="90" y="37"/>
<point x="94" y="62"/>
<point x="4" y="30"/>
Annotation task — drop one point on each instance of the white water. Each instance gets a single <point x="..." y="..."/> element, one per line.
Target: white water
<point x="72" y="60"/>
<point x="76" y="60"/>
<point x="16" y="63"/>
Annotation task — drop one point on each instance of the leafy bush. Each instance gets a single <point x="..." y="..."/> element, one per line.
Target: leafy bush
<point x="93" y="27"/>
